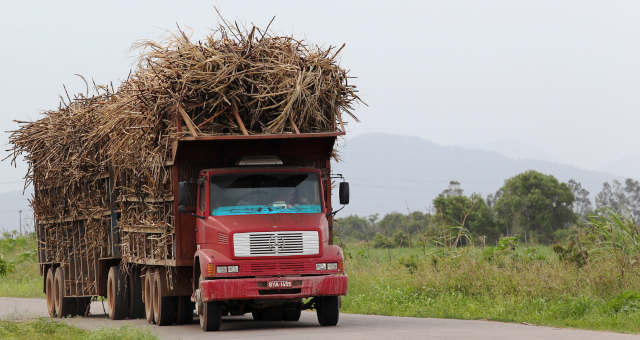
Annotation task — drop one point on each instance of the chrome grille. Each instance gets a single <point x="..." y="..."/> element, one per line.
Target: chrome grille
<point x="282" y="243"/>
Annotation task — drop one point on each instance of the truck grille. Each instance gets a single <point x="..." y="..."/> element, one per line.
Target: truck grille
<point x="282" y="243"/>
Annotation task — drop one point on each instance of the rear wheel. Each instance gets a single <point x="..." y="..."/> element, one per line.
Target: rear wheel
<point x="117" y="295"/>
<point x="210" y="316"/>
<point x="64" y="306"/>
<point x="148" y="296"/>
<point x="164" y="307"/>
<point x="328" y="310"/>
<point x="48" y="288"/>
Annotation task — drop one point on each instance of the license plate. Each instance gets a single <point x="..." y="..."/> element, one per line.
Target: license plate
<point x="279" y="284"/>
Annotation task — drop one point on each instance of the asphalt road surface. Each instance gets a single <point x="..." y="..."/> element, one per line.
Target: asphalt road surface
<point x="351" y="326"/>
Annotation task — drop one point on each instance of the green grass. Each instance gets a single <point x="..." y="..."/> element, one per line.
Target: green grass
<point x="48" y="329"/>
<point x="21" y="262"/>
<point x="529" y="284"/>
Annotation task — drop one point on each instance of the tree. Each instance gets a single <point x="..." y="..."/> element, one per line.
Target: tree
<point x="354" y="228"/>
<point x="582" y="204"/>
<point x="391" y="223"/>
<point x="621" y="199"/>
<point x="471" y="213"/>
<point x="536" y="203"/>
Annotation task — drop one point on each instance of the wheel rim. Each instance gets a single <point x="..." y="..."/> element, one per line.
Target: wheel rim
<point x="50" y="296"/>
<point x="148" y="303"/>
<point x="57" y="298"/>
<point x="157" y="297"/>
<point x="110" y="295"/>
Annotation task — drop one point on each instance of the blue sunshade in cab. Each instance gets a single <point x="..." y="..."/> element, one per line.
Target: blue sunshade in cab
<point x="265" y="209"/>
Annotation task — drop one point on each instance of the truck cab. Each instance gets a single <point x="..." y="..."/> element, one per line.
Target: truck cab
<point x="264" y="242"/>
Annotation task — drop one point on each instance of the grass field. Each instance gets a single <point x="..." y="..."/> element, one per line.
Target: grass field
<point x="47" y="329"/>
<point x="517" y="284"/>
<point x="21" y="265"/>
<point x="528" y="284"/>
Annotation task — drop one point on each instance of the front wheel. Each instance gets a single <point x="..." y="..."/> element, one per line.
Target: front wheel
<point x="328" y="310"/>
<point x="210" y="316"/>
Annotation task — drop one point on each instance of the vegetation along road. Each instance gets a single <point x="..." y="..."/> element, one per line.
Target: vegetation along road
<point x="351" y="326"/>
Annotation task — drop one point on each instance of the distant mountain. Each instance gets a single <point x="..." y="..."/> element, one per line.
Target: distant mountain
<point x="399" y="173"/>
<point x="395" y="173"/>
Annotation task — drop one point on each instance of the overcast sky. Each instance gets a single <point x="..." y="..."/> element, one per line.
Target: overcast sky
<point x="555" y="80"/>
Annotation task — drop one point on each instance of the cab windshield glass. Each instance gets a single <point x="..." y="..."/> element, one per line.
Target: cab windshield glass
<point x="265" y="193"/>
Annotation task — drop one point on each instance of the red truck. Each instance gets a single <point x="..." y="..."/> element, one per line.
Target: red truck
<point x="252" y="218"/>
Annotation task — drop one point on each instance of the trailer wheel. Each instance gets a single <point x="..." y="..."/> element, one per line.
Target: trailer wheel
<point x="328" y="310"/>
<point x="164" y="307"/>
<point x="117" y="294"/>
<point x="210" y="316"/>
<point x="148" y="296"/>
<point x="64" y="306"/>
<point x="185" y="310"/>
<point x="136" y="306"/>
<point x="48" y="288"/>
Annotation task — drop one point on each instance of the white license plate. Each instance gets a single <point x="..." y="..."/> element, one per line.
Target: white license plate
<point x="279" y="284"/>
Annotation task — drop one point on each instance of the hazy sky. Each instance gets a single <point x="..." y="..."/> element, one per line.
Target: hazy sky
<point x="557" y="80"/>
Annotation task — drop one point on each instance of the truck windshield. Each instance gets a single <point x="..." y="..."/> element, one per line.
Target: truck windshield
<point x="265" y="193"/>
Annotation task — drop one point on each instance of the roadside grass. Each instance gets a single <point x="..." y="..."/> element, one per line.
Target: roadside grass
<point x="19" y="258"/>
<point x="528" y="284"/>
<point x="47" y="329"/>
<point x="525" y="284"/>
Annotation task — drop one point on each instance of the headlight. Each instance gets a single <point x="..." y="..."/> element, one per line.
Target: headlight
<point x="321" y="266"/>
<point x="226" y="269"/>
<point x="332" y="266"/>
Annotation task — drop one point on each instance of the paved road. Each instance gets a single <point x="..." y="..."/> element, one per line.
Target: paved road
<point x="351" y="326"/>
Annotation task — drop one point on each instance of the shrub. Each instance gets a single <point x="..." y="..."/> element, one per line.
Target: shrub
<point x="381" y="241"/>
<point x="400" y="239"/>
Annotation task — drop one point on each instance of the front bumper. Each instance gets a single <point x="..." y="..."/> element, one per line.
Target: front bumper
<point x="257" y="288"/>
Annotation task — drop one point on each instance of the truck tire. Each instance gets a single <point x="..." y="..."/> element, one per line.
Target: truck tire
<point x="117" y="295"/>
<point x="64" y="306"/>
<point x="291" y="314"/>
<point x="164" y="307"/>
<point x="48" y="288"/>
<point x="328" y="310"/>
<point x="185" y="310"/>
<point x="210" y="316"/>
<point x="148" y="296"/>
<point x="136" y="306"/>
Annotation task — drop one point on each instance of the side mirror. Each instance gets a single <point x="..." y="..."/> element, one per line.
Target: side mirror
<point x="186" y="197"/>
<point x="344" y="193"/>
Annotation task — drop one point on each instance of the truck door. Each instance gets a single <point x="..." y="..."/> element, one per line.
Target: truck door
<point x="201" y="210"/>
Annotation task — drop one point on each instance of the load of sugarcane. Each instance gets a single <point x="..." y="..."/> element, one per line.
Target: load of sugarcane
<point x="235" y="81"/>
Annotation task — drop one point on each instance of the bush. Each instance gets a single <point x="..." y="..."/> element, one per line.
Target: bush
<point x="381" y="241"/>
<point x="628" y="301"/>
<point x="400" y="239"/>
<point x="4" y="267"/>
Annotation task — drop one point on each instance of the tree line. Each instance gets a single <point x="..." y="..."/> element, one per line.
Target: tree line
<point x="532" y="206"/>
